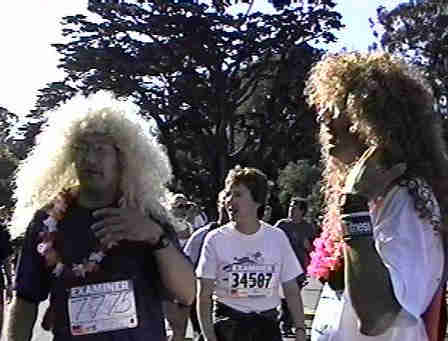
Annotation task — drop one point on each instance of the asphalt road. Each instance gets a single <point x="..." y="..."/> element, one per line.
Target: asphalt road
<point x="310" y="296"/>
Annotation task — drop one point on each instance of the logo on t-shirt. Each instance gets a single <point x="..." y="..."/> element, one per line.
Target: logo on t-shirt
<point x="249" y="276"/>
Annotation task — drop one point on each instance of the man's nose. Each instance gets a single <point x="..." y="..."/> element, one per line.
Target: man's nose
<point x="88" y="156"/>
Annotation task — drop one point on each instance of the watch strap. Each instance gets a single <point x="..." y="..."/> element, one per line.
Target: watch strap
<point x="163" y="242"/>
<point x="356" y="225"/>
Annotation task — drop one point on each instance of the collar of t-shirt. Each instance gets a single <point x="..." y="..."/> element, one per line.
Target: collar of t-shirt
<point x="253" y="236"/>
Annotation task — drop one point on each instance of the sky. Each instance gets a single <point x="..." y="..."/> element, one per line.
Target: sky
<point x="27" y="28"/>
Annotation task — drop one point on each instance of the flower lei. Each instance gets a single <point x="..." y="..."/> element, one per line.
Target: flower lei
<point x="328" y="249"/>
<point x="46" y="248"/>
<point x="328" y="255"/>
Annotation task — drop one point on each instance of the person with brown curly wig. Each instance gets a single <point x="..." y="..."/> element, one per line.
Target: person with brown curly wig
<point x="381" y="251"/>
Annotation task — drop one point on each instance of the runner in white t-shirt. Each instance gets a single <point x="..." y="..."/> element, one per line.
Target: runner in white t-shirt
<point x="243" y="263"/>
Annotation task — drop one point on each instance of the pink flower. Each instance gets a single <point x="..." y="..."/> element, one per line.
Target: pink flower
<point x="319" y="243"/>
<point x="58" y="269"/>
<point x="51" y="223"/>
<point x="79" y="270"/>
<point x="97" y="257"/>
<point x="44" y="247"/>
<point x="327" y="255"/>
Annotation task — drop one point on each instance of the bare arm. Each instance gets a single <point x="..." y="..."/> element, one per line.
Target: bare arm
<point x="7" y="266"/>
<point x="369" y="286"/>
<point x="366" y="278"/>
<point x="295" y="306"/>
<point x="176" y="274"/>
<point x="204" y="308"/>
<point x="21" y="318"/>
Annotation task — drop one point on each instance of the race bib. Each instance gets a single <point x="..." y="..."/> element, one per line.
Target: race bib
<point x="251" y="280"/>
<point x="102" y="307"/>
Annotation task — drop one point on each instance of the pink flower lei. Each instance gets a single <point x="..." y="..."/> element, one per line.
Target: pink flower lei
<point x="328" y="249"/>
<point x="328" y="255"/>
<point x="46" y="248"/>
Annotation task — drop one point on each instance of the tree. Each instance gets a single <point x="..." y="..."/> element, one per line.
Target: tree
<point x="17" y="137"/>
<point x="8" y="165"/>
<point x="277" y="115"/>
<point x="221" y="5"/>
<point x="196" y="73"/>
<point x="8" y="121"/>
<point x="419" y="32"/>
<point x="297" y="179"/>
<point x="8" y="161"/>
<point x="301" y="179"/>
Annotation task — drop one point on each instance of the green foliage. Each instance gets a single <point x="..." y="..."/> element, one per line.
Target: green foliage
<point x="29" y="130"/>
<point x="18" y="137"/>
<point x="302" y="179"/>
<point x="8" y="164"/>
<point x="316" y="202"/>
<point x="8" y="161"/>
<point x="297" y="179"/>
<point x="221" y="5"/>
<point x="221" y="89"/>
<point x="419" y="32"/>
<point x="8" y="120"/>
<point x="11" y="146"/>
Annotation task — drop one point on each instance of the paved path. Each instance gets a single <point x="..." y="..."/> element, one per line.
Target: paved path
<point x="310" y="296"/>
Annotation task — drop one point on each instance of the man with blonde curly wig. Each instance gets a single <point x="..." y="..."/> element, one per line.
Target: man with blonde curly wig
<point x="381" y="251"/>
<point x="99" y="239"/>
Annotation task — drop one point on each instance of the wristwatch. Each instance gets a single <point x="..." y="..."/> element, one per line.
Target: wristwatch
<point x="162" y="243"/>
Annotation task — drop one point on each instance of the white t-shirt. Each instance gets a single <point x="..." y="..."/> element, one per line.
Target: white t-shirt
<point x="413" y="254"/>
<point x="193" y="246"/>
<point x="248" y="269"/>
<point x="199" y="221"/>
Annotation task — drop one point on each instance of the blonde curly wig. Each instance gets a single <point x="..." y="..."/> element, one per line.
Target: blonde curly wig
<point x="49" y="167"/>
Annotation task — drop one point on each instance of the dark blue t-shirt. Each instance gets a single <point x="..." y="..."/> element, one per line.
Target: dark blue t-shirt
<point x="297" y="233"/>
<point x="127" y="261"/>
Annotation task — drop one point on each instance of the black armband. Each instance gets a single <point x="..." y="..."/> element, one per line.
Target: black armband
<point x="355" y="217"/>
<point x="162" y="243"/>
<point x="356" y="225"/>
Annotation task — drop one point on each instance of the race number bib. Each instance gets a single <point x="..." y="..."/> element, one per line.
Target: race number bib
<point x="251" y="280"/>
<point x="102" y="307"/>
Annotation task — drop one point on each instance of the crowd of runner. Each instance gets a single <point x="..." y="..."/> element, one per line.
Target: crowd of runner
<point x="117" y="254"/>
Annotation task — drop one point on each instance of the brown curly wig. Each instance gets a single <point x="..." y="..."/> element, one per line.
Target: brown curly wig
<point x="390" y="105"/>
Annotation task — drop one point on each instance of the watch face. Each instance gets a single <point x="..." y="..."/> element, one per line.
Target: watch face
<point x="164" y="241"/>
